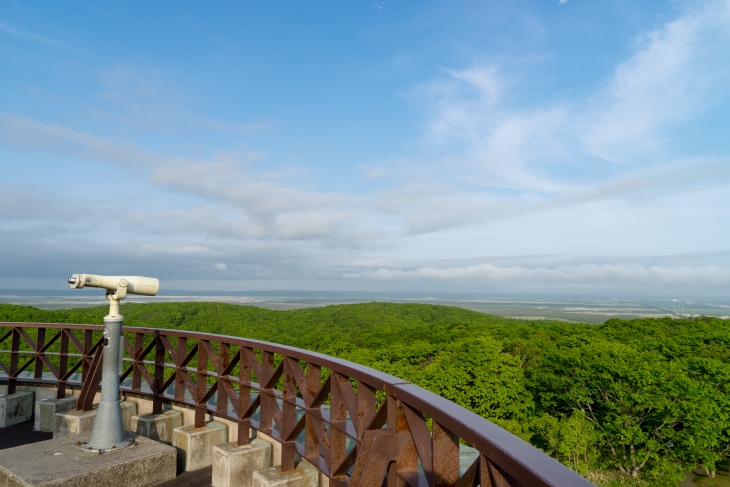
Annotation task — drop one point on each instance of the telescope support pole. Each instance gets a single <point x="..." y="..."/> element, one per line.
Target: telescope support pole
<point x="108" y="430"/>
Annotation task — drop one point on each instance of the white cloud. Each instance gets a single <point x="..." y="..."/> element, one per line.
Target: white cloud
<point x="588" y="273"/>
<point x="680" y="69"/>
<point x="677" y="73"/>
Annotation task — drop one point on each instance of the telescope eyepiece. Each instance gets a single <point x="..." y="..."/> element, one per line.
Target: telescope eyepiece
<point x="72" y="280"/>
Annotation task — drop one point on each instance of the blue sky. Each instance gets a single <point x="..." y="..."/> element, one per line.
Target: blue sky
<point x="506" y="145"/>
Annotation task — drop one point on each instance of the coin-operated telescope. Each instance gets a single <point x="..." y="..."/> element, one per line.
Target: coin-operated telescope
<point x="108" y="430"/>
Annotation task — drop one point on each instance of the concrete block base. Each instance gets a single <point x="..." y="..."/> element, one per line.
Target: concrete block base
<point x="129" y="409"/>
<point x="60" y="463"/>
<point x="45" y="409"/>
<point x="79" y="422"/>
<point x="73" y="423"/>
<point x="195" y="445"/>
<point x="157" y="427"/>
<point x="15" y="408"/>
<point x="303" y="476"/>
<point x="234" y="465"/>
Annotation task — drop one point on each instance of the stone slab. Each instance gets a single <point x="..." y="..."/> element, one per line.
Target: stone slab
<point x="15" y="408"/>
<point x="303" y="476"/>
<point x="45" y="409"/>
<point x="157" y="427"/>
<point x="60" y="463"/>
<point x="195" y="445"/>
<point x="234" y="464"/>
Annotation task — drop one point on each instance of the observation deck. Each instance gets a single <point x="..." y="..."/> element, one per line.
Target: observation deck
<point x="355" y="425"/>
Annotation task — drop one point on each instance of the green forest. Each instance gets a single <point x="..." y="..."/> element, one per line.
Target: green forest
<point x="626" y="402"/>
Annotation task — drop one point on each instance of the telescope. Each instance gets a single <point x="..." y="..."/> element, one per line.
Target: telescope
<point x="117" y="287"/>
<point x="108" y="432"/>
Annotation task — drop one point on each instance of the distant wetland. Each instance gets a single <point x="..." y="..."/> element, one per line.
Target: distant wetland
<point x="579" y="309"/>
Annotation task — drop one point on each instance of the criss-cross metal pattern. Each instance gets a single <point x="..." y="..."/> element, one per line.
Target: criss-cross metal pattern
<point x="358" y="426"/>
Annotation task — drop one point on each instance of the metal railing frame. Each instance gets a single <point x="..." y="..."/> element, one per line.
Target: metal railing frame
<point x="410" y="439"/>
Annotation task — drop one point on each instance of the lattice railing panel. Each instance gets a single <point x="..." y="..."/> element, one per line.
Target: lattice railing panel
<point x="360" y="427"/>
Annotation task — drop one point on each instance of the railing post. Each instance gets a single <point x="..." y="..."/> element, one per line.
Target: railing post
<point x="221" y="396"/>
<point x="182" y="351"/>
<point x="288" y="414"/>
<point x="407" y="453"/>
<point x="14" y="349"/>
<point x="38" y="363"/>
<point x="338" y="417"/>
<point x="244" y="396"/>
<point x="159" y="378"/>
<point x="267" y="371"/>
<point x="87" y="356"/>
<point x="137" y="362"/>
<point x="201" y="386"/>
<point x="63" y="364"/>
<point x="445" y="456"/>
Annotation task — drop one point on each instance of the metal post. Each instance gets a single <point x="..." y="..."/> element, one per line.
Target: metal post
<point x="108" y="430"/>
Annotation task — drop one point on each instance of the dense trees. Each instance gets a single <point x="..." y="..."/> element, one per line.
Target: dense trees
<point x="648" y="397"/>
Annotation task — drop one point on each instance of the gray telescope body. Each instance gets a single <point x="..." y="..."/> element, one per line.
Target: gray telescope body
<point x="108" y="432"/>
<point x="145" y="286"/>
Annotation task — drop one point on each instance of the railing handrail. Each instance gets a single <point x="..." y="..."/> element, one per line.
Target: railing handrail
<point x="516" y="461"/>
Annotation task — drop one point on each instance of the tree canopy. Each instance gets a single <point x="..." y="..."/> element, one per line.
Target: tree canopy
<point x="646" y="397"/>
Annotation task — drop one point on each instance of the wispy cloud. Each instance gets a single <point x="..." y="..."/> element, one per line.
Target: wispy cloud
<point x="28" y="36"/>
<point x="677" y="73"/>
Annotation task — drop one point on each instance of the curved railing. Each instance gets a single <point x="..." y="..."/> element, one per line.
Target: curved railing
<point x="377" y="427"/>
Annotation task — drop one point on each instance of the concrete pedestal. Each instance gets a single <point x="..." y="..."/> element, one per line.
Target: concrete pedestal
<point x="195" y="445"/>
<point x="15" y="408"/>
<point x="303" y="476"/>
<point x="60" y="463"/>
<point x="157" y="427"/>
<point x="45" y="409"/>
<point x="78" y="422"/>
<point x="73" y="423"/>
<point x="129" y="409"/>
<point x="234" y="465"/>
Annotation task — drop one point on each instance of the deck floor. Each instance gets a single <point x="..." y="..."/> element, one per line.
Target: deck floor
<point x="23" y="434"/>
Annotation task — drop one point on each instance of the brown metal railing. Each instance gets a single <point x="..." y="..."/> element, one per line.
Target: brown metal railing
<point x="377" y="428"/>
